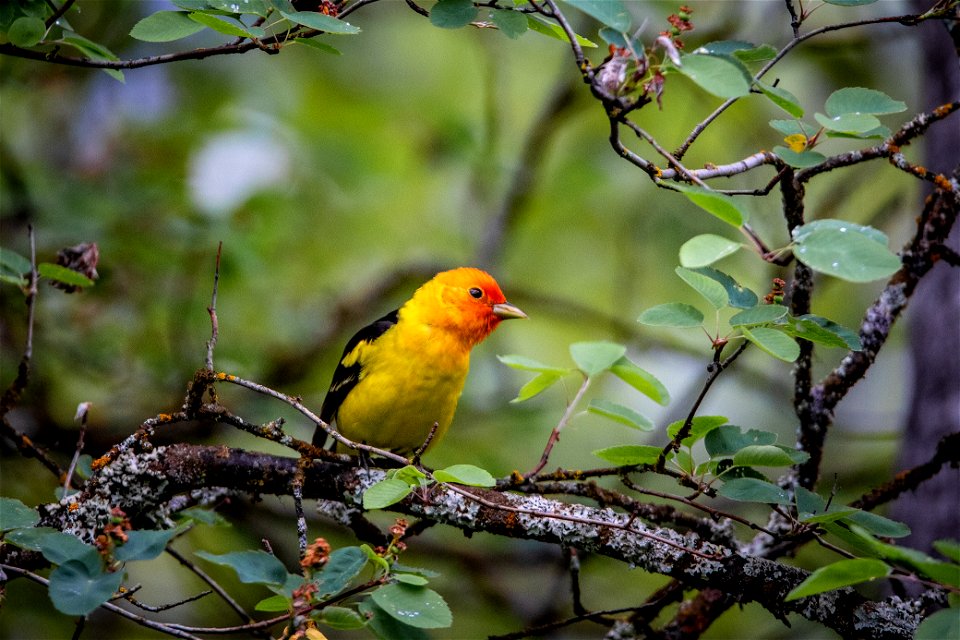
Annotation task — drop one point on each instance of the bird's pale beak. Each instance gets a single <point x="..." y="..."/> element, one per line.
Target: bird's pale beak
<point x="505" y="311"/>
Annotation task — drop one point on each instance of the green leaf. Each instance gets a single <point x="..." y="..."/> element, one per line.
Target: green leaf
<point x="255" y="7"/>
<point x="800" y="234"/>
<point x="850" y="123"/>
<point x="342" y="618"/>
<point x="858" y="100"/>
<point x="672" y="314"/>
<point x="762" y="455"/>
<point x="202" y="515"/>
<point x="878" y="525"/>
<point x="719" y="204"/>
<point x="26" y="31"/>
<point x="165" y="26"/>
<point x="753" y="490"/>
<point x="540" y="383"/>
<point x="727" y="439"/>
<point x="760" y="53"/>
<point x="842" y="573"/>
<point x="814" y="332"/>
<point x="555" y="31"/>
<point x="465" y="474"/>
<point x="793" y="127"/>
<point x="782" y="98"/>
<point x="62" y="274"/>
<point x="59" y="547"/>
<point x="849" y="3"/>
<point x="878" y="133"/>
<point x="612" y="13"/>
<point x="620" y="413"/>
<point x="720" y="76"/>
<point x="29" y="538"/>
<point x="799" y="160"/>
<point x="385" y="493"/>
<point x="411" y="578"/>
<point x="386" y="626"/>
<point x="845" y="253"/>
<point x="700" y="426"/>
<point x="275" y="603"/>
<point x="453" y="14"/>
<point x="706" y="249"/>
<point x="593" y="358"/>
<point x="317" y="45"/>
<point x="512" y="24"/>
<point x="774" y="342"/>
<point x="87" y="47"/>
<point x="942" y="624"/>
<point x="415" y="606"/>
<point x="723" y="48"/>
<point x="16" y="515"/>
<point x="707" y="287"/>
<point x="321" y="22"/>
<point x="948" y="549"/>
<point x="641" y="380"/>
<point x="252" y="567"/>
<point x="220" y="26"/>
<point x="144" y="545"/>
<point x="13" y="262"/>
<point x="408" y="474"/>
<point x="524" y="363"/>
<point x="76" y="590"/>
<point x="629" y="454"/>
<point x="761" y="314"/>
<point x="342" y="566"/>
<point x="739" y="296"/>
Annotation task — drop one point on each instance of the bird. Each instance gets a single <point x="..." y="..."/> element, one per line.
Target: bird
<point x="405" y="371"/>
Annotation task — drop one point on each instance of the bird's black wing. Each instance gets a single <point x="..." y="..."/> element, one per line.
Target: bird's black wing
<point x="346" y="377"/>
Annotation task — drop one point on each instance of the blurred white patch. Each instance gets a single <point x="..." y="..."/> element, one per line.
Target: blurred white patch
<point x="231" y="167"/>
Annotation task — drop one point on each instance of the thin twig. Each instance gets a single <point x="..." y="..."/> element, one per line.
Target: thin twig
<point x="212" y="310"/>
<point x="82" y="411"/>
<point x="220" y="591"/>
<point x="555" y="434"/>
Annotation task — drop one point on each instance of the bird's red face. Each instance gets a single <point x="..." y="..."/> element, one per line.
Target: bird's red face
<point x="472" y="302"/>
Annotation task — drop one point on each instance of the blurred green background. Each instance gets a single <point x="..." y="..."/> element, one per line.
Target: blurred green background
<point x="337" y="184"/>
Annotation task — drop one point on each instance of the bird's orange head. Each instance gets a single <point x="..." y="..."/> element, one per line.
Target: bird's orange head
<point x="466" y="301"/>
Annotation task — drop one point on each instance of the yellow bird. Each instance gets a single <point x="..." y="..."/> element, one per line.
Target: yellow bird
<point x="404" y="372"/>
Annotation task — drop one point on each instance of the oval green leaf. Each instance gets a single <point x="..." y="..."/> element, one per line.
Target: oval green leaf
<point x="782" y="98"/>
<point x="342" y="618"/>
<point x="612" y="13"/>
<point x="418" y="607"/>
<point x="850" y="123"/>
<point x="26" y="31"/>
<point x="842" y="573"/>
<point x="453" y="14"/>
<point x="720" y="76"/>
<point x="719" y="204"/>
<point x="619" y="413"/>
<point x="799" y="160"/>
<point x="629" y="454"/>
<point x="524" y="363"/>
<point x="672" y="314"/>
<point x="700" y="426"/>
<point x="252" y="567"/>
<point x="465" y="474"/>
<point x="641" y="380"/>
<point x="942" y="624"/>
<point x="762" y="455"/>
<point x="76" y="590"/>
<point x="512" y="24"/>
<point x="385" y="493"/>
<point x="165" y="26"/>
<point x="760" y="314"/>
<point x="774" y="342"/>
<point x="539" y="384"/>
<point x="710" y="289"/>
<point x="706" y="249"/>
<point x="753" y="490"/>
<point x="739" y="296"/>
<point x="16" y="515"/>
<point x="321" y="22"/>
<point x="727" y="439"/>
<point x="593" y="358"/>
<point x="342" y="566"/>
<point x="846" y="254"/>
<point x="62" y="274"/>
<point x="144" y="545"/>
<point x="860" y="100"/>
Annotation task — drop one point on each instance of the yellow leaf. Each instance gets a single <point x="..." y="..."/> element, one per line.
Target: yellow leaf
<point x="797" y="142"/>
<point x="314" y="634"/>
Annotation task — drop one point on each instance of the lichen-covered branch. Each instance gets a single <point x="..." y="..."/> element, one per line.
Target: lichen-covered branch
<point x="143" y="483"/>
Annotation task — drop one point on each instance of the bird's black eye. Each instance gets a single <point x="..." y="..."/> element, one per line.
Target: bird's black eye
<point x="476" y="293"/>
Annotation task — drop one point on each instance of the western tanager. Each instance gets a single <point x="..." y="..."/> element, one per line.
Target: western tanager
<point x="404" y="372"/>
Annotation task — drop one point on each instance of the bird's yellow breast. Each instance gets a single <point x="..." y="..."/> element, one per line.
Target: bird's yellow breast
<point x="411" y="377"/>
